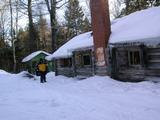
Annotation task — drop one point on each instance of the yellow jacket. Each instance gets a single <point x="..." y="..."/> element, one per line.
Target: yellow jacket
<point x="42" y="67"/>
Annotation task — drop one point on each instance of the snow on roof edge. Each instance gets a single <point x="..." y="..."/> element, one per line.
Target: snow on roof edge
<point x="49" y="58"/>
<point x="152" y="41"/>
<point x="34" y="54"/>
<point x="65" y="51"/>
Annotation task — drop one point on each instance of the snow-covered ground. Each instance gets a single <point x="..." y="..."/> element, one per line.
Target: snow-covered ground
<point x="62" y="98"/>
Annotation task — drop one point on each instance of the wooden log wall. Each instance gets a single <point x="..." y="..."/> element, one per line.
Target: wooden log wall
<point x="66" y="71"/>
<point x="153" y="61"/>
<point x="121" y="69"/>
<point x="80" y="68"/>
<point x="149" y="66"/>
<point x="84" y="71"/>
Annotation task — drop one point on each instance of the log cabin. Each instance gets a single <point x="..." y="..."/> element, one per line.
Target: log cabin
<point x="74" y="58"/>
<point x="85" y="54"/>
<point x="134" y="46"/>
<point x="131" y="53"/>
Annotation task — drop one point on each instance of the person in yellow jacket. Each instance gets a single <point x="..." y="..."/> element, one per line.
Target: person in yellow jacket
<point x="42" y="69"/>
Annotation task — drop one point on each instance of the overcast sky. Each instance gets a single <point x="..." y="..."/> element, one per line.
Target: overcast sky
<point x="60" y="13"/>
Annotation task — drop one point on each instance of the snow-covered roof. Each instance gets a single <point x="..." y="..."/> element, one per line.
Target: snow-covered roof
<point x="80" y="41"/>
<point x="154" y="42"/>
<point x="137" y="26"/>
<point x="142" y="26"/>
<point x="34" y="54"/>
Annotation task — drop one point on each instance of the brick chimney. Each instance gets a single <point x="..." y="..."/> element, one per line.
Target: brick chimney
<point x="101" y="32"/>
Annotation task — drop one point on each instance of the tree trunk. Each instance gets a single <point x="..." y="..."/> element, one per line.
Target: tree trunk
<point x="12" y="38"/>
<point x="53" y="23"/>
<point x="32" y="44"/>
<point x="52" y="11"/>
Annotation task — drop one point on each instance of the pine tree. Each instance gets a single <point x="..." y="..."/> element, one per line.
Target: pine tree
<point x="44" y="33"/>
<point x="86" y="25"/>
<point x="156" y="3"/>
<point x="2" y="43"/>
<point x="75" y="18"/>
<point x="136" y="5"/>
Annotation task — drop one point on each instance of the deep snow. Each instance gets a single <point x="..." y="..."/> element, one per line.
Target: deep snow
<point x="62" y="98"/>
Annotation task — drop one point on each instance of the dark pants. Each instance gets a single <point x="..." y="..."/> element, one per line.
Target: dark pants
<point x="43" y="77"/>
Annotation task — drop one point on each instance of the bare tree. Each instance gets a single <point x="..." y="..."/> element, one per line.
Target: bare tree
<point x="2" y="23"/>
<point x="17" y="16"/>
<point x="32" y="33"/>
<point x="116" y="8"/>
<point x="52" y="5"/>
<point x="12" y="36"/>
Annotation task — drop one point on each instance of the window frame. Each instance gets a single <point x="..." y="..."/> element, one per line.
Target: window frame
<point x="129" y="57"/>
<point x="90" y="62"/>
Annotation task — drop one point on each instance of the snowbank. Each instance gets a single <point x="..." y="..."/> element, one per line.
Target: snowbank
<point x="3" y="72"/>
<point x="62" y="98"/>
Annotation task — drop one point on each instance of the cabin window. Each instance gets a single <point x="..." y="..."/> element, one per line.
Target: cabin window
<point x="134" y="58"/>
<point x="65" y="63"/>
<point x="78" y="60"/>
<point x="86" y="60"/>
